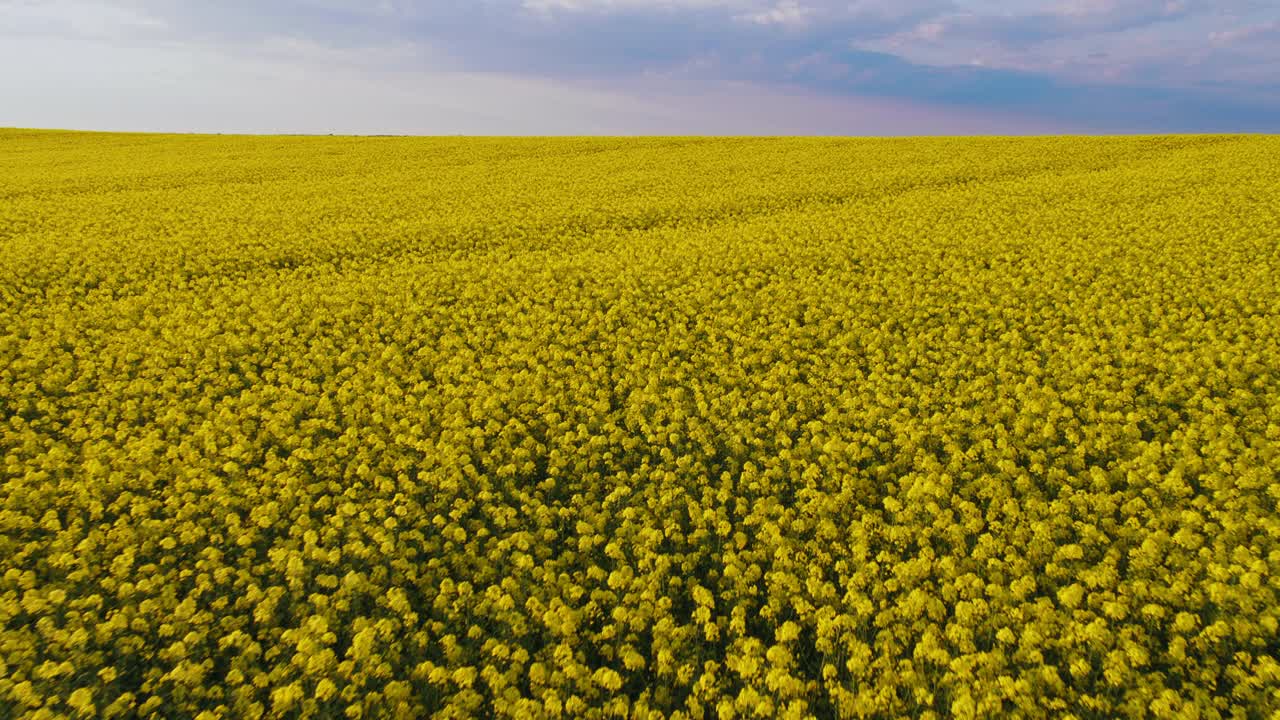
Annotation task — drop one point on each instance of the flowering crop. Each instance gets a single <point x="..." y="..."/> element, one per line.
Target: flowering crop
<point x="725" y="428"/>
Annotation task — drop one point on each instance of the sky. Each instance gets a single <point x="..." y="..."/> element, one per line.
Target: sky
<point x="626" y="67"/>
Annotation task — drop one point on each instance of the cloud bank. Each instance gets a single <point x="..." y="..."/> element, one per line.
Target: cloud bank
<point x="643" y="66"/>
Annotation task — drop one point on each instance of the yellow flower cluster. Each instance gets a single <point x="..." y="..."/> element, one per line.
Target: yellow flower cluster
<point x="652" y="428"/>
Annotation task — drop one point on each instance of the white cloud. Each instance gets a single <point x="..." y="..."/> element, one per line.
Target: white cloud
<point x="610" y="5"/>
<point x="289" y="85"/>
<point x="80" y="18"/>
<point x="787" y="12"/>
<point x="1158" y="43"/>
<point x="1246" y="33"/>
<point x="285" y="85"/>
<point x="518" y="66"/>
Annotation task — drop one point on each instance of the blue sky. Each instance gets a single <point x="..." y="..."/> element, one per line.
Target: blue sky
<point x="855" y="67"/>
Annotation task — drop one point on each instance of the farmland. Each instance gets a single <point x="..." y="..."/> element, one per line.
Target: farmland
<point x="654" y="427"/>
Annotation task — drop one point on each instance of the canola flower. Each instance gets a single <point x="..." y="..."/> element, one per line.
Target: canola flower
<point x="652" y="428"/>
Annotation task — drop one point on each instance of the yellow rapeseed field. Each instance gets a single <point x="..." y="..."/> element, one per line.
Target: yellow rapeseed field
<point x="654" y="428"/>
